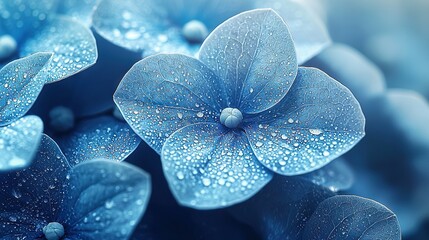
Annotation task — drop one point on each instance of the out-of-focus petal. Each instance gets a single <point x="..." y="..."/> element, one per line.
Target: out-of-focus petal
<point x="79" y="10"/>
<point x="208" y="166"/>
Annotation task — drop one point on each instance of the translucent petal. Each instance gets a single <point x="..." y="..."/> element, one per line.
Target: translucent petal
<point x="19" y="86"/>
<point x="79" y="10"/>
<point x="71" y="42"/>
<point x="352" y="69"/>
<point x="352" y="217"/>
<point x="31" y="198"/>
<point x="99" y="138"/>
<point x="134" y="24"/>
<point x="18" y="17"/>
<point x="208" y="166"/>
<point x="317" y="121"/>
<point x="336" y="176"/>
<point x="19" y="142"/>
<point x="105" y="200"/>
<point x="254" y="56"/>
<point x="163" y="93"/>
<point x="308" y="31"/>
<point x="281" y="209"/>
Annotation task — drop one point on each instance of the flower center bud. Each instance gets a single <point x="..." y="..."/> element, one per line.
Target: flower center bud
<point x="195" y="31"/>
<point x="61" y="119"/>
<point x="53" y="231"/>
<point x="231" y="117"/>
<point x="8" y="46"/>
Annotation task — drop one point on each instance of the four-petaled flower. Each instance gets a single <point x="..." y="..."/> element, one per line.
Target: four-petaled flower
<point x="224" y="122"/>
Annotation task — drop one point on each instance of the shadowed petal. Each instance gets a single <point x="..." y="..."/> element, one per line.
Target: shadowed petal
<point x="207" y="166"/>
<point x="99" y="138"/>
<point x="308" y="31"/>
<point x="282" y="208"/>
<point x="352" y="217"/>
<point x="163" y="93"/>
<point x="317" y="121"/>
<point x="19" y="142"/>
<point x="31" y="198"/>
<point x="253" y="54"/>
<point x="105" y="200"/>
<point x="336" y="176"/>
<point x="72" y="43"/>
<point x="19" y="86"/>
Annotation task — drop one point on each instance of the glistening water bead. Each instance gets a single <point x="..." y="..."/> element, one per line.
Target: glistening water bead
<point x="231" y="117"/>
<point x="8" y="46"/>
<point x="195" y="31"/>
<point x="53" y="231"/>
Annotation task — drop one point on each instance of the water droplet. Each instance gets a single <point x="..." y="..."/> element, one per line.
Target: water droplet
<point x="132" y="34"/>
<point x="315" y="131"/>
<point x="180" y="175"/>
<point x="200" y="114"/>
<point x="180" y="115"/>
<point x="326" y="153"/>
<point x="259" y="144"/>
<point x="206" y="182"/>
<point x="290" y="120"/>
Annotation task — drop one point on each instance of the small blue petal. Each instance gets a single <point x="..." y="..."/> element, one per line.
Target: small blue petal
<point x="19" y="142"/>
<point x="99" y="138"/>
<point x="282" y="208"/>
<point x="32" y="197"/>
<point x="352" y="217"/>
<point x="307" y="29"/>
<point x="79" y="10"/>
<point x="105" y="200"/>
<point x="317" y="121"/>
<point x="352" y="69"/>
<point x="336" y="176"/>
<point x="71" y="42"/>
<point x="20" y="86"/>
<point x="163" y="93"/>
<point x="254" y="56"/>
<point x="208" y="166"/>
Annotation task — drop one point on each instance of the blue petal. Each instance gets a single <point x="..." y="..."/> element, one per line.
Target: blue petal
<point x="137" y="25"/>
<point x="72" y="43"/>
<point x="163" y="93"/>
<point x="254" y="56"/>
<point x="317" y="121"/>
<point x="352" y="217"/>
<point x="19" y="142"/>
<point x="336" y="176"/>
<point x="32" y="197"/>
<point x="19" y="86"/>
<point x="17" y="18"/>
<point x="79" y="10"/>
<point x="208" y="166"/>
<point x="307" y="29"/>
<point x="99" y="138"/>
<point x="352" y="69"/>
<point x="105" y="200"/>
<point x="281" y="209"/>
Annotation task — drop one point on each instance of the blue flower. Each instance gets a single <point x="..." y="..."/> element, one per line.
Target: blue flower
<point x="28" y="27"/>
<point x="98" y="199"/>
<point x="225" y="122"/>
<point x="181" y="26"/>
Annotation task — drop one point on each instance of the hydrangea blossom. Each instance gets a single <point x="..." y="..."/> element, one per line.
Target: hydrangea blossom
<point x="180" y="26"/>
<point x="28" y="27"/>
<point x="98" y="199"/>
<point x="225" y="122"/>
